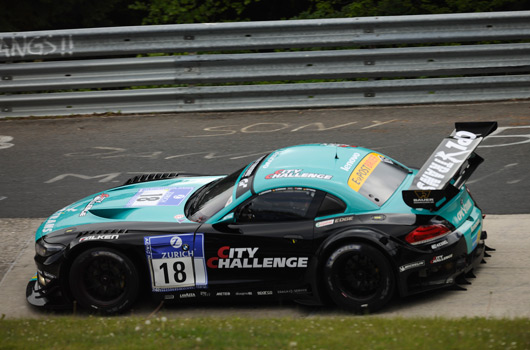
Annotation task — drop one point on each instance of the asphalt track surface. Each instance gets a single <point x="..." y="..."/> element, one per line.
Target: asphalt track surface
<point x="46" y="164"/>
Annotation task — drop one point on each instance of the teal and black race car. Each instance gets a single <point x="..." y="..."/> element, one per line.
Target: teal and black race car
<point x="315" y="223"/>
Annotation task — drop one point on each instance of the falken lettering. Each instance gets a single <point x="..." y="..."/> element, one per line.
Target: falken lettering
<point x="92" y="238"/>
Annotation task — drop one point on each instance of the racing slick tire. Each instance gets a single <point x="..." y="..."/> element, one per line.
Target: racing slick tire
<point x="359" y="278"/>
<point x="104" y="279"/>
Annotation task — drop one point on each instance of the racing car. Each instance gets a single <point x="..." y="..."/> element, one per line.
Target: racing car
<point x="316" y="223"/>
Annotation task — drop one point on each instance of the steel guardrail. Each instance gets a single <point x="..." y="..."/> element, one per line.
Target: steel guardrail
<point x="273" y="96"/>
<point x="81" y="59"/>
<point x="265" y="35"/>
<point x="193" y="69"/>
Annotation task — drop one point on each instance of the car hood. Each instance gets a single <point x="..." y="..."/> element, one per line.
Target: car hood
<point x="160" y="201"/>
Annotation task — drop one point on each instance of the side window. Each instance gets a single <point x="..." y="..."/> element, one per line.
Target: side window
<point x="331" y="205"/>
<point x="279" y="205"/>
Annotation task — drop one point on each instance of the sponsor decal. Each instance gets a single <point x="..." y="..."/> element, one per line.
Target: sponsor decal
<point x="350" y="162"/>
<point x="149" y="197"/>
<point x="97" y="237"/>
<point x="245" y="258"/>
<point x="450" y="154"/>
<point x="252" y="167"/>
<point x="176" y="262"/>
<point x="187" y="295"/>
<point x="176" y="242"/>
<point x="243" y="183"/>
<point x="98" y="199"/>
<point x="378" y="217"/>
<point x="423" y="197"/>
<point x="325" y="223"/>
<point x="264" y="292"/>
<point x="222" y="294"/>
<point x="474" y="226"/>
<point x="464" y="210"/>
<point x="50" y="223"/>
<point x="439" y="244"/>
<point x="296" y="173"/>
<point x="288" y="291"/>
<point x="180" y="218"/>
<point x="363" y="170"/>
<point x="271" y="159"/>
<point x="411" y="266"/>
<point x="341" y="145"/>
<point x="343" y="219"/>
<point x="204" y="294"/>
<point x="440" y="258"/>
<point x="243" y="293"/>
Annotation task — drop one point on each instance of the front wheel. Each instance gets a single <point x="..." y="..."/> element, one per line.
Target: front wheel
<point x="359" y="278"/>
<point x="104" y="279"/>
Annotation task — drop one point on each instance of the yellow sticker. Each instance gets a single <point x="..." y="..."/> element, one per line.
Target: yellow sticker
<point x="363" y="170"/>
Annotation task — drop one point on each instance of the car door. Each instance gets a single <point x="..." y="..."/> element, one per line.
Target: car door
<point x="267" y="246"/>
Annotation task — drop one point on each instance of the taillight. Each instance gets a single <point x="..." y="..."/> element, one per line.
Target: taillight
<point x="424" y="234"/>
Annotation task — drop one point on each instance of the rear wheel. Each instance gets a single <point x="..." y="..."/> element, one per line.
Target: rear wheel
<point x="104" y="279"/>
<point x="359" y="278"/>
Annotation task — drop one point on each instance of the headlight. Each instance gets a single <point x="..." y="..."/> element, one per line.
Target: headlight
<point x="46" y="249"/>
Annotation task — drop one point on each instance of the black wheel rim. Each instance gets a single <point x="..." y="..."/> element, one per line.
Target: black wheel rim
<point x="104" y="279"/>
<point x="358" y="276"/>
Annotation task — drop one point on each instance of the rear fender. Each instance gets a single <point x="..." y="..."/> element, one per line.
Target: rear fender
<point x="360" y="235"/>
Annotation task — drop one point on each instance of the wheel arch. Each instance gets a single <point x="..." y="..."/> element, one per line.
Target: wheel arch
<point x="366" y="235"/>
<point x="74" y="251"/>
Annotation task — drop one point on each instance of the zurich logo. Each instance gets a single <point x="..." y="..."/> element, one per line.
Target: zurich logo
<point x="176" y="242"/>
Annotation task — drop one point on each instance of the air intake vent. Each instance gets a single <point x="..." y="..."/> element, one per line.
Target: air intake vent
<point x="101" y="232"/>
<point x="150" y="177"/>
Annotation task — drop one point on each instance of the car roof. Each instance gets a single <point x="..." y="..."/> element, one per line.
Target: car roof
<point x="324" y="167"/>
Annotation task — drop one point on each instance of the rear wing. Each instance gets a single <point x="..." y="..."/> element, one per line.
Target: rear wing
<point x="449" y="167"/>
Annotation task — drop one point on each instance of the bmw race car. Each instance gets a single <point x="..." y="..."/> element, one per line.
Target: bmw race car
<point x="315" y="223"/>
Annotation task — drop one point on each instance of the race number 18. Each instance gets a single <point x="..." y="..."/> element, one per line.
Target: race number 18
<point x="174" y="272"/>
<point x="176" y="261"/>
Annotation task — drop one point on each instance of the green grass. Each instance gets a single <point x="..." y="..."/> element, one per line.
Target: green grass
<point x="256" y="333"/>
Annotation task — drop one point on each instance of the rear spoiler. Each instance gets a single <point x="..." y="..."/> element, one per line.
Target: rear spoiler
<point x="449" y="167"/>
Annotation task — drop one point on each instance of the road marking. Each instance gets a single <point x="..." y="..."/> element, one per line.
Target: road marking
<point x="495" y="134"/>
<point x="5" y="142"/>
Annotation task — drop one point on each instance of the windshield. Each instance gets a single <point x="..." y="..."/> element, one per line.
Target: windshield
<point x="211" y="198"/>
